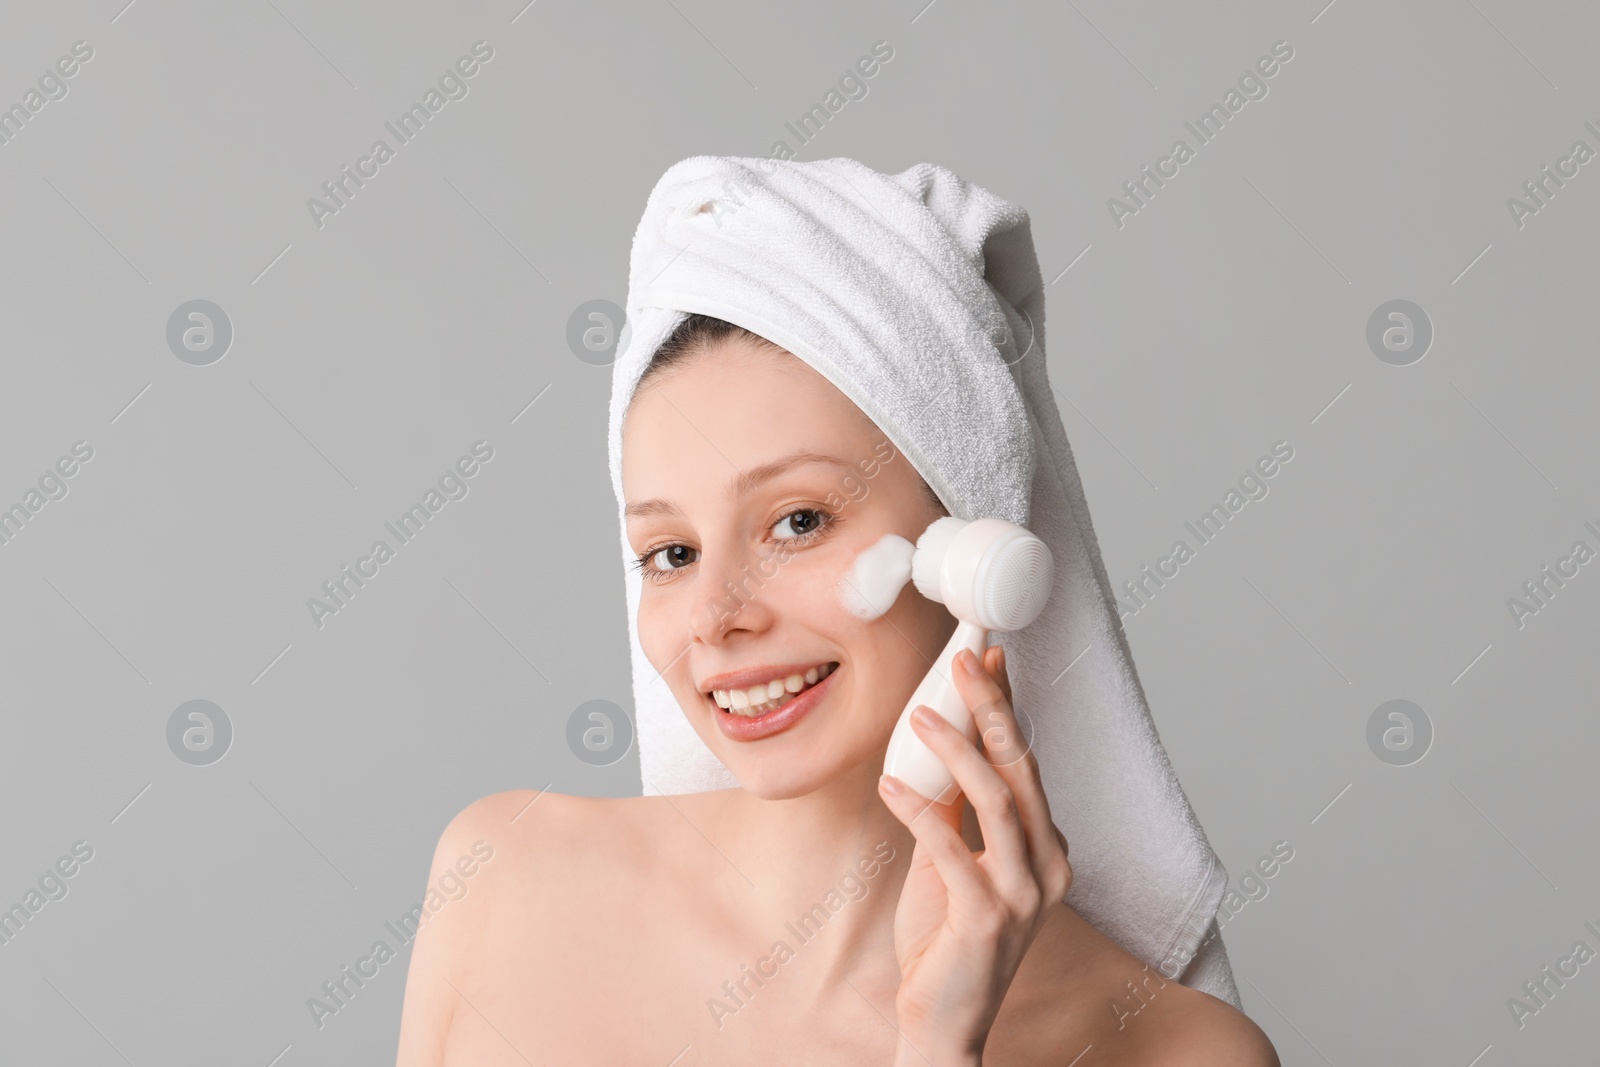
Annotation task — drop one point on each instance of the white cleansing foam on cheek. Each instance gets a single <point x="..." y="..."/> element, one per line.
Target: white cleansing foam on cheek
<point x="873" y="582"/>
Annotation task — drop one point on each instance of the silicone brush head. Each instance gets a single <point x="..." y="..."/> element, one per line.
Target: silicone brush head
<point x="988" y="572"/>
<point x="1015" y="583"/>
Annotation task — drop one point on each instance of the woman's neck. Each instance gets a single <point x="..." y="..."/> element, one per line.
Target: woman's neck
<point x="821" y="874"/>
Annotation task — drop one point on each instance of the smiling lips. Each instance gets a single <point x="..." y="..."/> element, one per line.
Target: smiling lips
<point x="767" y="697"/>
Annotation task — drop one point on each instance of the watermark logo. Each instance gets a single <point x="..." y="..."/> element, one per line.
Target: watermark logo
<point x="51" y="886"/>
<point x="997" y="334"/>
<point x="453" y="85"/>
<point x="1252" y="86"/>
<point x="810" y="123"/>
<point x="199" y="332"/>
<point x="453" y="485"/>
<point x="199" y="732"/>
<point x="599" y="732"/>
<point x="734" y="192"/>
<point x="1542" y="588"/>
<point x="1399" y="733"/>
<point x="1252" y="486"/>
<point x="52" y="486"/>
<point x="452" y="885"/>
<point x="598" y="332"/>
<point x="852" y="886"/>
<point x="1120" y="1007"/>
<point x="1252" y="888"/>
<point x="1542" y="189"/>
<point x="1542" y="989"/>
<point x="52" y="86"/>
<point x="1399" y="333"/>
<point x="851" y="490"/>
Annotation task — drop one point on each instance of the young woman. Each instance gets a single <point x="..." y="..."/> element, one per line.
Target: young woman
<point x="815" y="914"/>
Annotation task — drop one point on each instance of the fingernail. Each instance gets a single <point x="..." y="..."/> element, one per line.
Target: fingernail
<point x="890" y="784"/>
<point x="964" y="659"/>
<point x="924" y="716"/>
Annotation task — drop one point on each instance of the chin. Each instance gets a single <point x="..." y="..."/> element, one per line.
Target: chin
<point x="808" y="763"/>
<point x="767" y="781"/>
<point x="800" y="761"/>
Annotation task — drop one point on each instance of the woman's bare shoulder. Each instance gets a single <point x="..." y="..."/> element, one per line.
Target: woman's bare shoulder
<point x="499" y="869"/>
<point x="513" y="844"/>
<point x="1206" y="1032"/>
<point x="537" y="825"/>
<point x="1098" y="998"/>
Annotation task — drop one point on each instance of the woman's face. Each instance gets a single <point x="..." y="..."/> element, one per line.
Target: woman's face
<point x="745" y="532"/>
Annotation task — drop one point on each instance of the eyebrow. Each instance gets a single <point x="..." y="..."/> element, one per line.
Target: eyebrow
<point x="745" y="482"/>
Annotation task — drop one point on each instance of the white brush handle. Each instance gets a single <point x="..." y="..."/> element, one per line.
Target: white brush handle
<point x="908" y="758"/>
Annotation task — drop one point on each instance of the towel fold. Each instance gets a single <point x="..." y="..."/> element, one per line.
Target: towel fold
<point x="919" y="296"/>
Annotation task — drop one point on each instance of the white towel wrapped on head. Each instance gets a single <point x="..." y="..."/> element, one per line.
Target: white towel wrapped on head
<point x="919" y="296"/>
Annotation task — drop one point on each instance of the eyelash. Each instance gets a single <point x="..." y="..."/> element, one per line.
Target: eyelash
<point x="657" y="574"/>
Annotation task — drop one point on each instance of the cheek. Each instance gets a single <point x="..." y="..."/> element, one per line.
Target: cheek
<point x="819" y="592"/>
<point x="661" y="630"/>
<point x="921" y="628"/>
<point x="889" y="653"/>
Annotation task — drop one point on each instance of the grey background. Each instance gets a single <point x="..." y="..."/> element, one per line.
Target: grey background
<point x="368" y="355"/>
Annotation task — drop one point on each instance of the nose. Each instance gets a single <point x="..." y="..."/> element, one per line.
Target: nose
<point x="732" y="597"/>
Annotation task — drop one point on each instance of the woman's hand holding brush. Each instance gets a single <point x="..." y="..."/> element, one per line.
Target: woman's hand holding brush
<point x="965" y="919"/>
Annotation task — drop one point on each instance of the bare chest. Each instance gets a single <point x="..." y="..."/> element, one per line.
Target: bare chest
<point x="661" y="985"/>
<point x="644" y="978"/>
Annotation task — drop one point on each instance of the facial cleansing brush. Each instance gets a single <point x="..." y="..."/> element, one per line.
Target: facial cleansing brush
<point x="992" y="575"/>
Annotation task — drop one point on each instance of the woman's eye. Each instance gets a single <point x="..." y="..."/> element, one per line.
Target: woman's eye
<point x="802" y="522"/>
<point x="673" y="557"/>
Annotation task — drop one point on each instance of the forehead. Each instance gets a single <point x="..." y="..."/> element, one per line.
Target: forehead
<point x="734" y="407"/>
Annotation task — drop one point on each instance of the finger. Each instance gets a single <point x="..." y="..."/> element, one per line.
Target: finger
<point x="1062" y="869"/>
<point x="995" y="664"/>
<point x="991" y="799"/>
<point x="1003" y="740"/>
<point x="1008" y="751"/>
<point x="942" y="842"/>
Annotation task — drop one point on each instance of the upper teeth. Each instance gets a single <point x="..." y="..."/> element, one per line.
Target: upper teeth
<point x="760" y="699"/>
